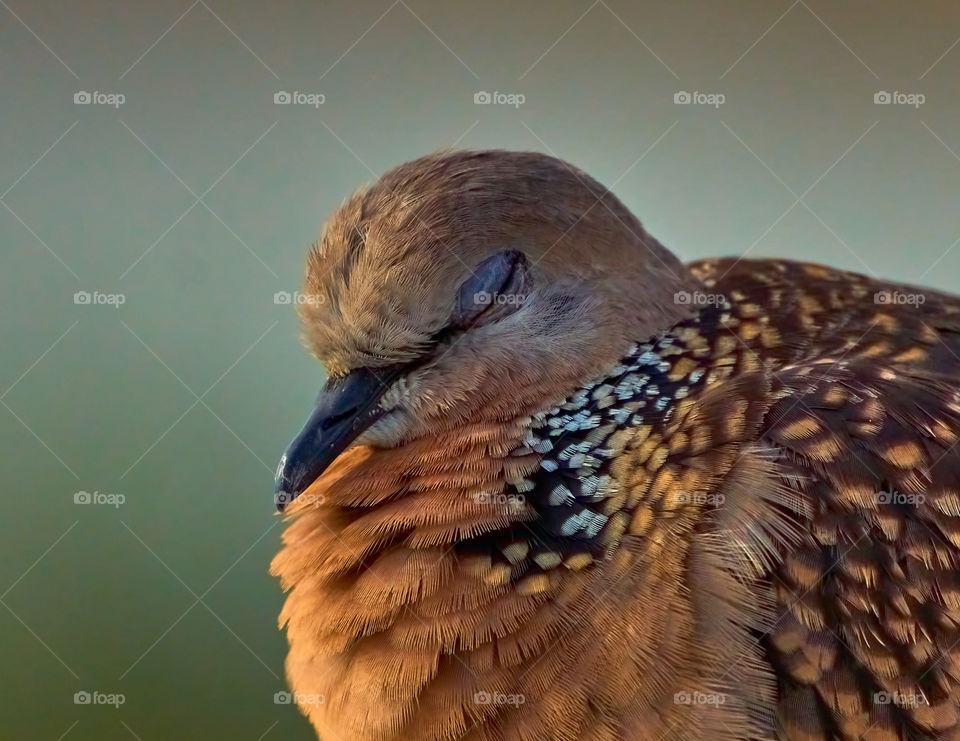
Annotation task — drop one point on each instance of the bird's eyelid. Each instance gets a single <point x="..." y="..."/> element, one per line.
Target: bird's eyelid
<point x="496" y="287"/>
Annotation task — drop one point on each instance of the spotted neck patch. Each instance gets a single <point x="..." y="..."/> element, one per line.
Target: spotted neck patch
<point x="581" y="509"/>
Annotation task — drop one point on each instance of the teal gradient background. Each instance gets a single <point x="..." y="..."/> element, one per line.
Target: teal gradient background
<point x="197" y="198"/>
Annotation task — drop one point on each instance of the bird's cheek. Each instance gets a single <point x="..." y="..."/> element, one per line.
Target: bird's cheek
<point x="408" y="406"/>
<point x="390" y="431"/>
<point x="415" y="405"/>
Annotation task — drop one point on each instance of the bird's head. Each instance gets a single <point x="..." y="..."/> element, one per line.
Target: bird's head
<point x="470" y="287"/>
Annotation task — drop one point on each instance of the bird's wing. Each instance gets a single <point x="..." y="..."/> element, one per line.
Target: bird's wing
<point x="864" y="640"/>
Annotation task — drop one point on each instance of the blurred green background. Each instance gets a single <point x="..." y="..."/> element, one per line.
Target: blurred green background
<point x="195" y="200"/>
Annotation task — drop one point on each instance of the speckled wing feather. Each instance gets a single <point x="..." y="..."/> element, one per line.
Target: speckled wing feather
<point x="864" y="422"/>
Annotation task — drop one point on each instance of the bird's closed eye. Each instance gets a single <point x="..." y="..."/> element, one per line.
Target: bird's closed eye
<point x="496" y="288"/>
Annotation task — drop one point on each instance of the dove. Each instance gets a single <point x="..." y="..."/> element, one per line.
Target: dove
<point x="560" y="485"/>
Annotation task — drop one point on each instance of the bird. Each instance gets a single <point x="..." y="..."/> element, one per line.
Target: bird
<point x="561" y="485"/>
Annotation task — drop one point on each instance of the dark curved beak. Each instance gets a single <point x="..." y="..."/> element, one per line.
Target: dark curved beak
<point x="346" y="407"/>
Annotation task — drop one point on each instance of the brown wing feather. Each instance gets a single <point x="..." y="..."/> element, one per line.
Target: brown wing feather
<point x="866" y="615"/>
<point x="866" y="417"/>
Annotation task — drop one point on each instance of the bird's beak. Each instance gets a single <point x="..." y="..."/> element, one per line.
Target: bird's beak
<point x="346" y="407"/>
